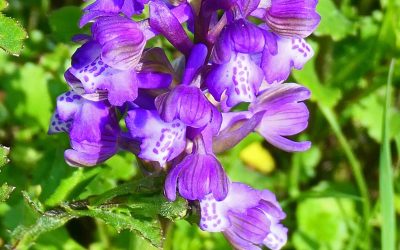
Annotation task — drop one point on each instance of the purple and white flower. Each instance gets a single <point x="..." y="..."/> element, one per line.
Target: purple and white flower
<point x="248" y="218"/>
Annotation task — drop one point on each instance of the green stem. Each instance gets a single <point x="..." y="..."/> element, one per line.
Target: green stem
<point x="354" y="164"/>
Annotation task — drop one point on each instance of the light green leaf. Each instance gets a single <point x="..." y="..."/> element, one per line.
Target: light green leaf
<point x="12" y="33"/>
<point x="333" y="22"/>
<point x="35" y="106"/>
<point x="333" y="229"/>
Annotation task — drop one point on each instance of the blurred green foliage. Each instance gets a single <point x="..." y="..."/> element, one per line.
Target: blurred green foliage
<point x="331" y="193"/>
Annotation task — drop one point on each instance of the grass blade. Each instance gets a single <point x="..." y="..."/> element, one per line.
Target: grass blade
<point x="388" y="233"/>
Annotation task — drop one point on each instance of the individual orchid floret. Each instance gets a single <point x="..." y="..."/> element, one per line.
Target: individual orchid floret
<point x="248" y="218"/>
<point x="114" y="60"/>
<point x="285" y="114"/>
<point x="289" y="18"/>
<point x="112" y="7"/>
<point x="291" y="53"/>
<point x="92" y="126"/>
<point x="159" y="141"/>
<point x="234" y="74"/>
<point x="197" y="175"/>
<point x="187" y="102"/>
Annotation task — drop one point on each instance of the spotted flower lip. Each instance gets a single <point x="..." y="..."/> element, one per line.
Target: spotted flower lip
<point x="159" y="141"/>
<point x="248" y="218"/>
<point x="291" y="53"/>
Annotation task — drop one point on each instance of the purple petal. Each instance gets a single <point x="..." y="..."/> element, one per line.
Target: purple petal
<point x="171" y="182"/>
<point x="251" y="226"/>
<point x="278" y="95"/>
<point x="246" y="37"/>
<point x="284" y="115"/>
<point x="197" y="175"/>
<point x="86" y="54"/>
<point x="195" y="62"/>
<point x="187" y="104"/>
<point x="93" y="121"/>
<point x="240" y="78"/>
<point x="291" y="53"/>
<point x="163" y="21"/>
<point x="160" y="141"/>
<point x="284" y="143"/>
<point x="241" y="127"/>
<point x="121" y="39"/>
<point x="80" y="159"/>
<point x="100" y="8"/>
<point x="132" y="7"/>
<point x="153" y="80"/>
<point x="292" y="18"/>
<point x="222" y="49"/>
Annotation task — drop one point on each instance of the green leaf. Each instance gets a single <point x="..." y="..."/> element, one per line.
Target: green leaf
<point x="24" y="237"/>
<point x="386" y="189"/>
<point x="121" y="219"/>
<point x="12" y="33"/>
<point x="28" y="96"/>
<point x="333" y="230"/>
<point x="133" y="206"/>
<point x="333" y="22"/>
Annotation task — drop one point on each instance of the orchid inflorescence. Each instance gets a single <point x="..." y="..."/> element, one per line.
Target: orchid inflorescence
<point x="179" y="115"/>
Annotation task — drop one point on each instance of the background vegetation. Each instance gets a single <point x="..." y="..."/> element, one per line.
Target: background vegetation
<point x="344" y="193"/>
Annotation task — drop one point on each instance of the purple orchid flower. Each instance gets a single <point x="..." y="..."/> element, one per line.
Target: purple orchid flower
<point x="285" y="115"/>
<point x="248" y="218"/>
<point x="92" y="126"/>
<point x="234" y="74"/>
